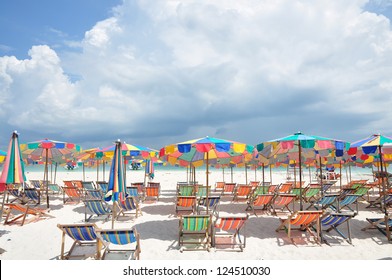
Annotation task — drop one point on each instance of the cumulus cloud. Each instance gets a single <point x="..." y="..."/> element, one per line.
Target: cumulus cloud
<point x="166" y="71"/>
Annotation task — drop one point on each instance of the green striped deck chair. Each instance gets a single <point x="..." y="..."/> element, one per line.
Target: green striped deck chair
<point x="333" y="220"/>
<point x="201" y="191"/>
<point x="118" y="244"/>
<point x="96" y="207"/>
<point x="260" y="190"/>
<point x="186" y="190"/>
<point x="297" y="192"/>
<point x="311" y="194"/>
<point x="194" y="232"/>
<point x="302" y="221"/>
<point x="54" y="188"/>
<point x="83" y="236"/>
<point x="229" y="232"/>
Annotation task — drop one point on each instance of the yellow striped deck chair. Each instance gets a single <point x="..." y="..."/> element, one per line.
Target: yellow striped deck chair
<point x="84" y="240"/>
<point x="118" y="244"/>
<point x="229" y="232"/>
<point x="194" y="232"/>
<point x="302" y="220"/>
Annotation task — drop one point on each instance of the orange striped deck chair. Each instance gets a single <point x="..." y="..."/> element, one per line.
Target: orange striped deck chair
<point x="282" y="202"/>
<point x="69" y="184"/>
<point x="302" y="220"/>
<point x="83" y="236"/>
<point x="186" y="204"/>
<point x="219" y="186"/>
<point x="194" y="232"/>
<point x="15" y="212"/>
<point x="261" y="202"/>
<point x="229" y="232"/>
<point x="152" y="193"/>
<point x="118" y="244"/>
<point x="72" y="194"/>
<point x="285" y="187"/>
<point x="254" y="184"/>
<point x="78" y="184"/>
<point x="228" y="188"/>
<point x="242" y="192"/>
<point x="273" y="188"/>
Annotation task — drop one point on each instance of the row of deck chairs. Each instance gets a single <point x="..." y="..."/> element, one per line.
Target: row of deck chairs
<point x="104" y="243"/>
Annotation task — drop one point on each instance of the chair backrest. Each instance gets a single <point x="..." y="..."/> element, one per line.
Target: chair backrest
<point x="139" y="186"/>
<point x="229" y="187"/>
<point x="284" y="199"/>
<point x="97" y="206"/>
<point x="261" y="190"/>
<point x="69" y="184"/>
<point x="33" y="194"/>
<point x="202" y="191"/>
<point x="152" y="191"/>
<point x="349" y="199"/>
<point x="285" y="187"/>
<point x="88" y="185"/>
<point x="212" y="201"/>
<point x="128" y="203"/>
<point x="153" y="184"/>
<point x="133" y="191"/>
<point x="254" y="184"/>
<point x="195" y="222"/>
<point x="72" y="191"/>
<point x="94" y="194"/>
<point x="186" y="201"/>
<point x="36" y="184"/>
<point x="80" y="232"/>
<point x="186" y="190"/>
<point x="305" y="217"/>
<point x="219" y="185"/>
<point x="118" y="236"/>
<point x="78" y="183"/>
<point x="310" y="192"/>
<point x="231" y="223"/>
<point x="335" y="219"/>
<point x="243" y="190"/>
<point x="263" y="199"/>
<point x="102" y="185"/>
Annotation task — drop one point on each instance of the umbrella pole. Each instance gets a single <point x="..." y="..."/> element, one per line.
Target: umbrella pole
<point x="340" y="178"/>
<point x="255" y="173"/>
<point x="349" y="171"/>
<point x="246" y="175"/>
<point x="55" y="173"/>
<point x="231" y="169"/>
<point x="270" y="174"/>
<point x="223" y="173"/>
<point x="103" y="170"/>
<point x="207" y="182"/>
<point x="97" y="170"/>
<point x="51" y="172"/>
<point x="300" y="176"/>
<point x="46" y="178"/>
<point x="263" y="175"/>
<point x="383" y="181"/>
<point x="84" y="177"/>
<point x="295" y="173"/>
<point x="321" y="178"/>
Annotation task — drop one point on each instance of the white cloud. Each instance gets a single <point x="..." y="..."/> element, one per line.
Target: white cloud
<point x="158" y="69"/>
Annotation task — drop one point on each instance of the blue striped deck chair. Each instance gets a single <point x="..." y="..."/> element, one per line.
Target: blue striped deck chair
<point x="17" y="192"/>
<point x="384" y="225"/>
<point x="380" y="201"/>
<point x="33" y="195"/>
<point x="333" y="220"/>
<point x="324" y="202"/>
<point x="102" y="185"/>
<point x="134" y="192"/>
<point x="88" y="185"/>
<point x="229" y="232"/>
<point x="83" y="236"/>
<point x="36" y="184"/>
<point x="96" y="207"/>
<point x="129" y="205"/>
<point x="123" y="244"/>
<point x="213" y="205"/>
<point x="348" y="201"/>
<point x="94" y="194"/>
<point x="194" y="232"/>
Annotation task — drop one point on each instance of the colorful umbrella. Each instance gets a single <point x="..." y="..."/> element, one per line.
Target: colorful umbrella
<point x="302" y="149"/>
<point x="371" y="147"/>
<point x="47" y="149"/>
<point x="2" y="156"/>
<point x="13" y="169"/>
<point x="149" y="169"/>
<point x="116" y="185"/>
<point x="207" y="150"/>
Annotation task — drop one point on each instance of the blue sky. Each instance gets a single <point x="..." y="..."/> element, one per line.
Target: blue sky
<point x="158" y="72"/>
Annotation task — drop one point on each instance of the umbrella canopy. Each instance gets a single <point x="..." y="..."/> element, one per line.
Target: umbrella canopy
<point x="46" y="150"/>
<point x="301" y="149"/>
<point x="2" y="156"/>
<point x="13" y="169"/>
<point x="130" y="151"/>
<point x="116" y="185"/>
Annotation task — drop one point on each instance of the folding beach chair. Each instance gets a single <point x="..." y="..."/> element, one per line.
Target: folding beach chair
<point x="229" y="232"/>
<point x="260" y="190"/>
<point x="213" y="205"/>
<point x="303" y="221"/>
<point x="152" y="193"/>
<point x="134" y="192"/>
<point x="16" y="212"/>
<point x="36" y="184"/>
<point x="16" y="190"/>
<point x="384" y="225"/>
<point x="219" y="186"/>
<point x="383" y="201"/>
<point x="72" y="194"/>
<point x="56" y="189"/>
<point x="121" y="244"/>
<point x="93" y="194"/>
<point x="140" y="188"/>
<point x="312" y="193"/>
<point x="195" y="232"/>
<point x="33" y="195"/>
<point x="324" y="202"/>
<point x="261" y="202"/>
<point x="254" y="184"/>
<point x="96" y="207"/>
<point x="129" y="205"/>
<point x="69" y="184"/>
<point x="186" y="190"/>
<point x="333" y="220"/>
<point x="347" y="201"/>
<point x="282" y="201"/>
<point x="103" y="186"/>
<point x="88" y="185"/>
<point x="83" y="236"/>
<point x="285" y="187"/>
<point x="78" y="184"/>
<point x="228" y="189"/>
<point x="186" y="204"/>
<point x="242" y="192"/>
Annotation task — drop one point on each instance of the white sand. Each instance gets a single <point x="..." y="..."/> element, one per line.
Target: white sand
<point x="158" y="228"/>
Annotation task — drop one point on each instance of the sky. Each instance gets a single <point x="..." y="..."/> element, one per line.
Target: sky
<point x="153" y="73"/>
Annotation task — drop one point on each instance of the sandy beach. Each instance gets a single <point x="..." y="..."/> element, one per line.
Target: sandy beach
<point x="158" y="227"/>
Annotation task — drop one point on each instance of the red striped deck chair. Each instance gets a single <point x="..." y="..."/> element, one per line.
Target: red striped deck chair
<point x="229" y="232"/>
<point x="69" y="184"/>
<point x="242" y="192"/>
<point x="186" y="204"/>
<point x="78" y="184"/>
<point x="72" y="194"/>
<point x="282" y="202"/>
<point x="195" y="232"/>
<point x="273" y="188"/>
<point x="129" y="206"/>
<point x="15" y="212"/>
<point x="302" y="220"/>
<point x="83" y="236"/>
<point x="261" y="202"/>
<point x="229" y="188"/>
<point x="219" y="186"/>
<point x="118" y="244"/>
<point x="285" y="187"/>
<point x="254" y="184"/>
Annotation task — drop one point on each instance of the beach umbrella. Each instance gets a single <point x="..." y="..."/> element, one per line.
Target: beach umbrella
<point x="149" y="170"/>
<point x="13" y="169"/>
<point x="116" y="185"/>
<point x="206" y="151"/>
<point x="301" y="149"/>
<point x="2" y="156"/>
<point x="46" y="150"/>
<point x="372" y="147"/>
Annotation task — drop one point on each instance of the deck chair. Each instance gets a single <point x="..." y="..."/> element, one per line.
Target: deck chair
<point x="201" y="191"/>
<point x="96" y="207"/>
<point x="302" y="220"/>
<point x="186" y="204"/>
<point x="129" y="205"/>
<point x="282" y="201"/>
<point x="88" y="185"/>
<point x="36" y="184"/>
<point x="242" y="192"/>
<point x="103" y="186"/>
<point x="213" y="205"/>
<point x="254" y="184"/>
<point x="347" y="201"/>
<point x="260" y="190"/>
<point x="83" y="235"/>
<point x="22" y="212"/>
<point x="152" y="193"/>
<point x="78" y="184"/>
<point x="140" y="187"/>
<point x="261" y="202"/>
<point x="93" y="194"/>
<point x="380" y="201"/>
<point x="324" y="202"/>
<point x="118" y="244"/>
<point x="229" y="232"/>
<point x="219" y="186"/>
<point x="54" y="188"/>
<point x="285" y="187"/>
<point x="333" y="220"/>
<point x="228" y="189"/>
<point x="72" y="194"/>
<point x="186" y="190"/>
<point x="134" y="192"/>
<point x="33" y="195"/>
<point x="312" y="193"/>
<point x="194" y="232"/>
<point x="16" y="191"/>
<point x="384" y="225"/>
<point x="69" y="184"/>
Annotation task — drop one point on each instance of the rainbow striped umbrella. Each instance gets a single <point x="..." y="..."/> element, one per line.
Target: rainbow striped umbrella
<point x="116" y="185"/>
<point x="13" y="170"/>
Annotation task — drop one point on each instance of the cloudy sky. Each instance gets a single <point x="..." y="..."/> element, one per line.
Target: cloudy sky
<point x="158" y="72"/>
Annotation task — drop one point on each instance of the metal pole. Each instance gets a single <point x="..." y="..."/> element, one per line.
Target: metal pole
<point x="300" y="176"/>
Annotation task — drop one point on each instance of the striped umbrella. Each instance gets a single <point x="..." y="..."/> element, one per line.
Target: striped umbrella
<point x="13" y="170"/>
<point x="46" y="149"/>
<point x="2" y="156"/>
<point x="116" y="185"/>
